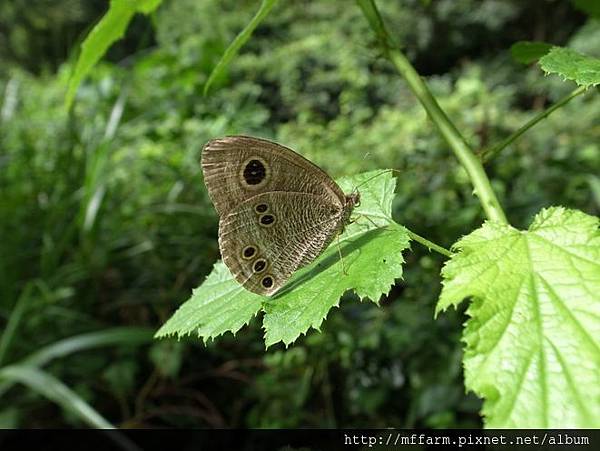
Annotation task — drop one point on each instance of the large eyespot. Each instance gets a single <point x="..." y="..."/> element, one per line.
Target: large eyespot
<point x="266" y="220"/>
<point x="261" y="208"/>
<point x="259" y="265"/>
<point x="254" y="173"/>
<point x="267" y="281"/>
<point x="248" y="252"/>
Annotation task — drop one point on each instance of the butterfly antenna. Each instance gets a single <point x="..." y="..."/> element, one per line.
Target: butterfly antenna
<point x="375" y="176"/>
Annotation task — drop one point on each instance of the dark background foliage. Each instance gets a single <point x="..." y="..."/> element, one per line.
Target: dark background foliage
<point x="105" y="222"/>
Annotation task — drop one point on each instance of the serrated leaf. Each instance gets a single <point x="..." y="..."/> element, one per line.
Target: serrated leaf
<point x="110" y="29"/>
<point x="217" y="306"/>
<point x="373" y="261"/>
<point x="526" y="52"/>
<point x="571" y="65"/>
<point x="372" y="257"/>
<point x="239" y="41"/>
<point x="533" y="336"/>
<point x="372" y="251"/>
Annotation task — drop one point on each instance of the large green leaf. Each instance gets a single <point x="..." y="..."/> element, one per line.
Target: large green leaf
<point x="571" y="65"/>
<point x="111" y="28"/>
<point x="533" y="337"/>
<point x="217" y="306"/>
<point x="372" y="256"/>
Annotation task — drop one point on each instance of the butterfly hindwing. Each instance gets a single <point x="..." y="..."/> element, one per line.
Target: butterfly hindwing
<point x="269" y="236"/>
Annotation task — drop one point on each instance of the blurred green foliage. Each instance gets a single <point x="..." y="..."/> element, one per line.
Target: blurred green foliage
<point x="104" y="219"/>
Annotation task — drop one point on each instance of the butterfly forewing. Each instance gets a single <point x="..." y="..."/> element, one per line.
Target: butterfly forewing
<point x="238" y="167"/>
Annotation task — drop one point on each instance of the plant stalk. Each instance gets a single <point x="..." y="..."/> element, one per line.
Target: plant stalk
<point x="447" y="129"/>
<point x="491" y="152"/>
<point x="429" y="244"/>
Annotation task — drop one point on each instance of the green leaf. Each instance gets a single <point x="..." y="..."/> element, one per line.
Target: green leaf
<point x="217" y="306"/>
<point x="529" y="51"/>
<point x="373" y="261"/>
<point x="571" y="65"/>
<point x="372" y="251"/>
<point x="110" y="29"/>
<point x="53" y="389"/>
<point x="372" y="256"/>
<point x="239" y="41"/>
<point x="533" y="337"/>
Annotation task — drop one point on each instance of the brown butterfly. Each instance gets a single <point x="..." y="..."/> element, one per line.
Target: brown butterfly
<point x="278" y="211"/>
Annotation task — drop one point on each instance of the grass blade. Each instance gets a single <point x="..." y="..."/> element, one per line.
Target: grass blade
<point x="14" y="320"/>
<point x="239" y="41"/>
<point x="62" y="348"/>
<point x="53" y="389"/>
<point x="117" y="336"/>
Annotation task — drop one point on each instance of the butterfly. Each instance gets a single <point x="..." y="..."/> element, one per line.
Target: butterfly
<point x="277" y="211"/>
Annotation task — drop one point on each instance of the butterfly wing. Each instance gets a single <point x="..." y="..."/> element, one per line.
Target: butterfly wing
<point x="269" y="236"/>
<point x="239" y="167"/>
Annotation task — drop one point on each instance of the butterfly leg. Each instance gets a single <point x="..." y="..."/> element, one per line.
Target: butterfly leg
<point x="363" y="216"/>
<point x="340" y="254"/>
<point x="372" y="222"/>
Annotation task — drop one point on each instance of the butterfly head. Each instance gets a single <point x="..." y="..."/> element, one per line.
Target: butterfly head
<point x="353" y="199"/>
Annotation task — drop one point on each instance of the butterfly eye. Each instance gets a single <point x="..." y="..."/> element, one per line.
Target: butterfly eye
<point x="267" y="220"/>
<point x="267" y="282"/>
<point x="248" y="252"/>
<point x="259" y="265"/>
<point x="261" y="208"/>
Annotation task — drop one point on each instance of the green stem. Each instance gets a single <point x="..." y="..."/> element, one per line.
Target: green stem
<point x="491" y="152"/>
<point x="428" y="244"/>
<point x="418" y="238"/>
<point x="447" y="129"/>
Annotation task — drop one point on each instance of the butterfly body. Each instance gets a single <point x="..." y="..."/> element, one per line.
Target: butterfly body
<point x="278" y="211"/>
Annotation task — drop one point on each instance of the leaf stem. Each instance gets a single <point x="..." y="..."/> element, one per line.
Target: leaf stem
<point x="428" y="244"/>
<point x="447" y="129"/>
<point x="491" y="152"/>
